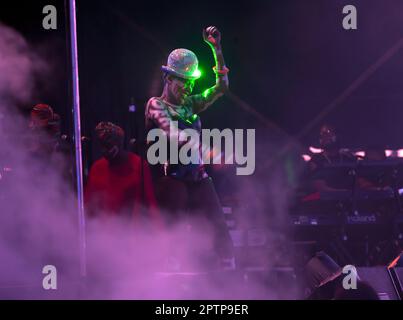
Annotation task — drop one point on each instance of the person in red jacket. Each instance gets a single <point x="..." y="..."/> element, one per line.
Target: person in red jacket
<point x="119" y="184"/>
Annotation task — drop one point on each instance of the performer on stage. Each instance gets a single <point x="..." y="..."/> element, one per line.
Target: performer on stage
<point x="186" y="188"/>
<point x="119" y="184"/>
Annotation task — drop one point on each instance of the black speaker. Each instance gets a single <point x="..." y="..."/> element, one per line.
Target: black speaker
<point x="397" y="277"/>
<point x="395" y="269"/>
<point x="381" y="280"/>
<point x="399" y="280"/>
<point x="324" y="281"/>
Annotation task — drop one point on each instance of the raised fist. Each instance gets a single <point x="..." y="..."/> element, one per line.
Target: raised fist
<point x="212" y="36"/>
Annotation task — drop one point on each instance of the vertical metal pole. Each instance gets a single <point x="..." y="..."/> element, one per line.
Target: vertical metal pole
<point x="77" y="138"/>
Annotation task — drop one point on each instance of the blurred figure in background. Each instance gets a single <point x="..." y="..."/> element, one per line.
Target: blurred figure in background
<point x="44" y="135"/>
<point x="331" y="154"/>
<point x="46" y="148"/>
<point x="119" y="184"/>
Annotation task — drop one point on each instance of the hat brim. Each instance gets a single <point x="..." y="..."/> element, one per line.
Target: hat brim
<point x="180" y="75"/>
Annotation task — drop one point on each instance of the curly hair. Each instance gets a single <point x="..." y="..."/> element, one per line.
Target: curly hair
<point x="107" y="132"/>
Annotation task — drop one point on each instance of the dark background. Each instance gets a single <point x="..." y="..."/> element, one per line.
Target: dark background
<point x="288" y="61"/>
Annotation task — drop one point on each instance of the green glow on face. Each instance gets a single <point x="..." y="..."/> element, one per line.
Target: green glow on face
<point x="197" y="73"/>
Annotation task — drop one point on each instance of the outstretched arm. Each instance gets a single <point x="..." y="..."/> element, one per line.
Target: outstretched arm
<point x="212" y="37"/>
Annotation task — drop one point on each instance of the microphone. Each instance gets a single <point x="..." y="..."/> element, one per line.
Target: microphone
<point x="132" y="107"/>
<point x="132" y="141"/>
<point x="67" y="138"/>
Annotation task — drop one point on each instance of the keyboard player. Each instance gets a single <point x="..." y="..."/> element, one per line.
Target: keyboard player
<point x="329" y="170"/>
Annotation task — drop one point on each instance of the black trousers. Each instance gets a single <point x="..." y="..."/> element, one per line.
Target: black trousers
<point x="189" y="199"/>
